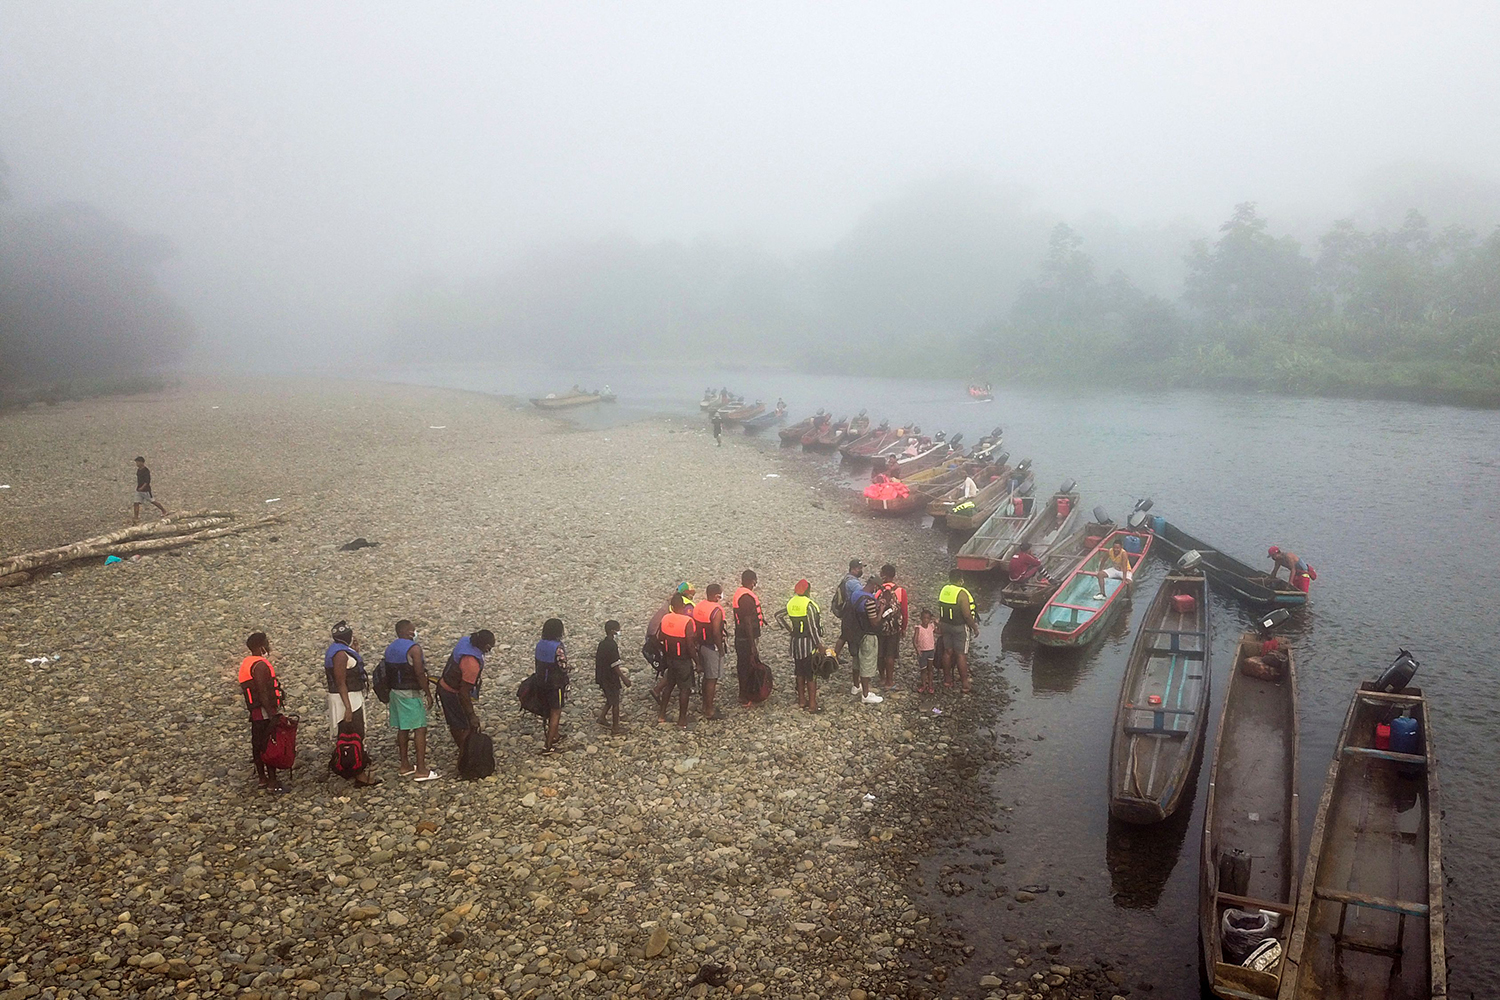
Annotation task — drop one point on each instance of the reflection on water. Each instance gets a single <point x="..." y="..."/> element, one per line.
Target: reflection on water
<point x="1394" y="504"/>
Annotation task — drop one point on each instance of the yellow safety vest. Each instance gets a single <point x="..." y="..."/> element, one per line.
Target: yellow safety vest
<point x="948" y="602"/>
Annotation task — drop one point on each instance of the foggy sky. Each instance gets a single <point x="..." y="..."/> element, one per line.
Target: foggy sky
<point x="304" y="158"/>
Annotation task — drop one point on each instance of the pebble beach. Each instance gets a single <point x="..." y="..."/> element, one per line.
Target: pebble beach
<point x="768" y="853"/>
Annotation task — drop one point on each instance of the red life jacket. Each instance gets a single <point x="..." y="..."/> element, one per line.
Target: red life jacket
<point x="703" y="619"/>
<point x="247" y="665"/>
<point x="759" y="614"/>
<point x="674" y="635"/>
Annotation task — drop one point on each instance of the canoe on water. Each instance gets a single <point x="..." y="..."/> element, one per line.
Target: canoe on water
<point x="990" y="547"/>
<point x="1250" y="831"/>
<point x="1057" y="517"/>
<point x="792" y="434"/>
<point x="1061" y="559"/>
<point x="983" y="475"/>
<point x="986" y="447"/>
<point x="1369" y="919"/>
<point x="925" y="456"/>
<point x="757" y="424"/>
<point x="742" y="413"/>
<point x="826" y="437"/>
<point x="872" y="440"/>
<point x="1163" y="710"/>
<point x="720" y="401"/>
<point x="1228" y="574"/>
<point x="1012" y="481"/>
<point x="553" y="401"/>
<point x="1075" y="615"/>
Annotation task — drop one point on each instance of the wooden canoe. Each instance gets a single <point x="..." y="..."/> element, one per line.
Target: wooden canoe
<point x="942" y="504"/>
<point x="572" y="399"/>
<point x="742" y="413"/>
<point x="757" y="424"/>
<point x="826" y="437"/>
<point x="1369" y="919"/>
<point x="986" y="447"/>
<point x="862" y="447"/>
<point x="1056" y="518"/>
<point x="720" y="401"/>
<point x="920" y="488"/>
<point x="1163" y="709"/>
<point x="792" y="433"/>
<point x="1228" y="574"/>
<point x="1251" y="810"/>
<point x="1061" y="559"/>
<point x="1075" y="615"/>
<point x="991" y="545"/>
<point x="1013" y="481"/>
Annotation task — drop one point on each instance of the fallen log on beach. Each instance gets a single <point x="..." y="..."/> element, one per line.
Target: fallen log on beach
<point x="166" y="533"/>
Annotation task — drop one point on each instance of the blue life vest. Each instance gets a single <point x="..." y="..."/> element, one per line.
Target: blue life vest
<point x="453" y="678"/>
<point x="354" y="676"/>
<point x="548" y="672"/>
<point x="402" y="676"/>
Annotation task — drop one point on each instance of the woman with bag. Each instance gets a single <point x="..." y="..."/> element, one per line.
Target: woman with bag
<point x="262" y="693"/>
<point x="552" y="676"/>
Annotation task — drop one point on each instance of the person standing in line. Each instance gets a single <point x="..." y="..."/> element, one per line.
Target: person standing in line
<point x="842" y="597"/>
<point x="863" y="649"/>
<point x="748" y="622"/>
<point x="803" y="619"/>
<point x="262" y="692"/>
<point x="552" y="677"/>
<point x="708" y="619"/>
<point x="459" y="685"/>
<point x="924" y="642"/>
<point x="679" y="651"/>
<point x="344" y="671"/>
<point x="411" y="697"/>
<point x="957" y="624"/>
<point x="653" y="634"/>
<point x="609" y="674"/>
<point x="889" y="643"/>
<point x="718" y="422"/>
<point x="143" y="492"/>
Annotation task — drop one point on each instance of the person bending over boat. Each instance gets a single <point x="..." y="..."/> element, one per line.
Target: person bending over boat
<point x="1115" y="565"/>
<point x="1298" y="573"/>
<point x="1023" y="565"/>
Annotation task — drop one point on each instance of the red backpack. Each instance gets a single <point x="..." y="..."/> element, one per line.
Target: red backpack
<point x="349" y="757"/>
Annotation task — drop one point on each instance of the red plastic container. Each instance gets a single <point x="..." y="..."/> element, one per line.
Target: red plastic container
<point x="1183" y="603"/>
<point x="1018" y="506"/>
<point x="1093" y="541"/>
<point x="1064" y="506"/>
<point x="1270" y="645"/>
<point x="1382" y="736"/>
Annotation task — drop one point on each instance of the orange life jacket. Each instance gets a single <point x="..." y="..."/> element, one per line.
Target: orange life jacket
<point x="247" y="665"/>
<point x="703" y="618"/>
<point x="674" y="635"/>
<point x="759" y="614"/>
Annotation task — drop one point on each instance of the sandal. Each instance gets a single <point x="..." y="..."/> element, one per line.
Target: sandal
<point x="407" y="773"/>
<point x="430" y="776"/>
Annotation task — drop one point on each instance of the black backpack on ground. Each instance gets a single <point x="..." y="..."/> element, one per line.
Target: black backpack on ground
<point x="478" y="759"/>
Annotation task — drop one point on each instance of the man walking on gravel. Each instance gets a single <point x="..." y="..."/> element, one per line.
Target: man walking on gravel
<point x="411" y="697"/>
<point x="143" y="489"/>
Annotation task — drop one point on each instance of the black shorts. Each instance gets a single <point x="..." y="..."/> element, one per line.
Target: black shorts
<point x="890" y="646"/>
<point x="680" y="674"/>
<point x="803" y="668"/>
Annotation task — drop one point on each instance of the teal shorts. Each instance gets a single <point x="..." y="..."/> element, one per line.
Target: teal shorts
<point x="408" y="710"/>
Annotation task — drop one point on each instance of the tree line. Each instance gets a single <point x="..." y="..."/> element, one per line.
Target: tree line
<point x="1404" y="312"/>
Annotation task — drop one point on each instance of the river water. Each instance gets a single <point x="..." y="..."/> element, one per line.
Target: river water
<point x="1396" y="505"/>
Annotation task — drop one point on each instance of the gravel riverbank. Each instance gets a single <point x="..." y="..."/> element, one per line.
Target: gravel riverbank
<point x="139" y="859"/>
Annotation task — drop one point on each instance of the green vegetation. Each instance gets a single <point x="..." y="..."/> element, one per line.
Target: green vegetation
<point x="1403" y="314"/>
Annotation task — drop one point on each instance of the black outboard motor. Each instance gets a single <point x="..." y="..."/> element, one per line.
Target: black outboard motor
<point x="953" y="441"/>
<point x="1138" y="513"/>
<point x="1271" y="619"/>
<point x="1023" y="465"/>
<point x="1067" y="487"/>
<point x="1001" y="458"/>
<point x="1101" y="516"/>
<point x="1398" y="675"/>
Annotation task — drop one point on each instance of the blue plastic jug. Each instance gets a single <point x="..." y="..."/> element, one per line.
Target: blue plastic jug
<point x="1404" y="736"/>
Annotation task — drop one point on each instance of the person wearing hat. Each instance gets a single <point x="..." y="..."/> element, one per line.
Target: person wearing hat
<point x="685" y="591"/>
<point x="1298" y="573"/>
<point x="803" y="619"/>
<point x="843" y="596"/>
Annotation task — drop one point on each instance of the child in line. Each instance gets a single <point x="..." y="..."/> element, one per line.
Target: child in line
<point x="924" y="641"/>
<point x="610" y="674"/>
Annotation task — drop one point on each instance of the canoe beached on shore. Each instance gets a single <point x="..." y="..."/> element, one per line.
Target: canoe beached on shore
<point x="1163" y="711"/>
<point x="553" y="401"/>
<point x="1075" y="615"/>
<point x="1010" y="482"/>
<point x="1228" y="574"/>
<point x="1369" y="920"/>
<point x="1250" y="832"/>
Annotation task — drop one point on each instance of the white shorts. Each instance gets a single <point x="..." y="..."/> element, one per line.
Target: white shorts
<point x="336" y="708"/>
<point x="1114" y="574"/>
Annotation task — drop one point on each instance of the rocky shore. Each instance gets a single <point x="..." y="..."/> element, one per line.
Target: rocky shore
<point x="771" y="853"/>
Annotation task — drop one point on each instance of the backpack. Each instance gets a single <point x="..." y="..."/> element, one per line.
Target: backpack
<point x="762" y="682"/>
<point x="884" y="611"/>
<point x="281" y="749"/>
<point x="478" y="759"/>
<point x="839" y="603"/>
<point x="380" y="680"/>
<point x="349" y="757"/>
<point x="532" y="697"/>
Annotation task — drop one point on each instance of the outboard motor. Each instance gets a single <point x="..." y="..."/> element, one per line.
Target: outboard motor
<point x="1395" y="678"/>
<point x="1001" y="458"/>
<point x="996" y="433"/>
<point x="1272" y="619"/>
<point x="1190" y="559"/>
<point x="1067" y="487"/>
<point x="1023" y="465"/>
<point x="953" y="441"/>
<point x="1101" y="516"/>
<point x="1138" y="513"/>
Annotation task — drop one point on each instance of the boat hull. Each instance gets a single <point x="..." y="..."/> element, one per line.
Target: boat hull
<point x="565" y="402"/>
<point x="1227" y="574"/>
<point x="1074" y="616"/>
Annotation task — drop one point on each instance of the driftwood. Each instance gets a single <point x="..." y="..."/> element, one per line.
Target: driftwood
<point x="166" y="533"/>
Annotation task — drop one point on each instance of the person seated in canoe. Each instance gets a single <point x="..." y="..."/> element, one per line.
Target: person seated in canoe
<point x="1298" y="573"/>
<point x="1023" y="565"/>
<point x="1115" y="565"/>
